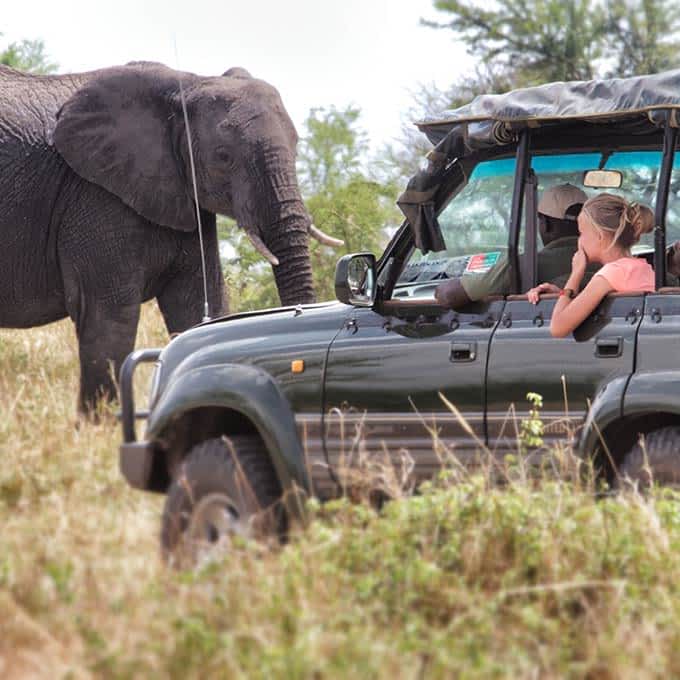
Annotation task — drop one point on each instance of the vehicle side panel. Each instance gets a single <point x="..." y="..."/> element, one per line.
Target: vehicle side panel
<point x="659" y="337"/>
<point x="385" y="377"/>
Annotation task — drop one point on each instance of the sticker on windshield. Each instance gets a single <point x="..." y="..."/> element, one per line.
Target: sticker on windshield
<point x="482" y="262"/>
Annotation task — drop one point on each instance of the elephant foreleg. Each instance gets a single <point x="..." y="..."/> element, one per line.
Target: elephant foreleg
<point x="105" y="338"/>
<point x="182" y="300"/>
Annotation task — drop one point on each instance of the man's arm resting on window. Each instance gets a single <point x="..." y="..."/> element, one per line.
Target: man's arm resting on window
<point x="452" y="294"/>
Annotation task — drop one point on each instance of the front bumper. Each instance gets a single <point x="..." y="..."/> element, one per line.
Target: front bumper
<point x="136" y="458"/>
<point x="136" y="463"/>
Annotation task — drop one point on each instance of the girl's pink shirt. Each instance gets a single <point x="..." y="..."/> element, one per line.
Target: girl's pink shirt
<point x="628" y="274"/>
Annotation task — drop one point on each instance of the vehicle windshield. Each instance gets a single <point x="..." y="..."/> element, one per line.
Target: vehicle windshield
<point x="475" y="222"/>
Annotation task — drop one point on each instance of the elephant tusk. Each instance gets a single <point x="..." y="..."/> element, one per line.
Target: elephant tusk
<point x="325" y="238"/>
<point x="262" y="248"/>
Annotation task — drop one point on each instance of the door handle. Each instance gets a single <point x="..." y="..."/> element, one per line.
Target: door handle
<point x="463" y="351"/>
<point x="609" y="347"/>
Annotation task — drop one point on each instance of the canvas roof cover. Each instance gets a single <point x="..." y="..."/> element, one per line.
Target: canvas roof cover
<point x="491" y="119"/>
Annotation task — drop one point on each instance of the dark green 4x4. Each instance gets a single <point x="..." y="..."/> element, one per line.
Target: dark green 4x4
<point x="248" y="408"/>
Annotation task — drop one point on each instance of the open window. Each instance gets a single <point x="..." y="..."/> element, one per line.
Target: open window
<point x="474" y="225"/>
<point x="475" y="221"/>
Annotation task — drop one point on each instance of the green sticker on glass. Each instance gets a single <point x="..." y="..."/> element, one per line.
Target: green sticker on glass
<point x="482" y="262"/>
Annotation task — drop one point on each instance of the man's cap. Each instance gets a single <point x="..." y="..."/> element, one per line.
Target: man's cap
<point x="556" y="200"/>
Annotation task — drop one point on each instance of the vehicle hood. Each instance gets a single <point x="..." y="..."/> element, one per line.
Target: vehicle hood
<point x="253" y="337"/>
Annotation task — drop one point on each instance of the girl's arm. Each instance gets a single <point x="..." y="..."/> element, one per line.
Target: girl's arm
<point x="570" y="313"/>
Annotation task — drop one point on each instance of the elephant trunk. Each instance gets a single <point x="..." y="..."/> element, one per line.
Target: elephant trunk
<point x="288" y="239"/>
<point x="283" y="229"/>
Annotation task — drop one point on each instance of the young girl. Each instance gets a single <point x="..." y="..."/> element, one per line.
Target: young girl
<point x="608" y="226"/>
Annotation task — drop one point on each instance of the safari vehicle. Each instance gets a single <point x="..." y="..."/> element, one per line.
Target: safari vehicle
<point x="275" y="398"/>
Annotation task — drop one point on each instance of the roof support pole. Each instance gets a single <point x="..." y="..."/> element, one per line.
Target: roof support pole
<point x="528" y="268"/>
<point x="521" y="170"/>
<point x="670" y="139"/>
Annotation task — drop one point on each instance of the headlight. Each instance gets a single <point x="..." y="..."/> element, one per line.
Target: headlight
<point x="155" y="383"/>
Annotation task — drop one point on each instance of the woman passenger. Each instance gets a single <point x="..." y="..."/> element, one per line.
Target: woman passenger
<point x="608" y="227"/>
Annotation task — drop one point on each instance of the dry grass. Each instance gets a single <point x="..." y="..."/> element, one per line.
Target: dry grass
<point x="468" y="579"/>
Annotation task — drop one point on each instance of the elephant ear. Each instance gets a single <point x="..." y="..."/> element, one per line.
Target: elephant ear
<point x="121" y="131"/>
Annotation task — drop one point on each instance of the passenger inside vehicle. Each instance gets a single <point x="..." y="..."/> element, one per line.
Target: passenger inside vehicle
<point x="609" y="226"/>
<point x="558" y="210"/>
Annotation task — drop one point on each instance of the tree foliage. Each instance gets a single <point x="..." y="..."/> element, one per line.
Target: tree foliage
<point x="538" y="40"/>
<point x="518" y="43"/>
<point x="400" y="160"/>
<point x="29" y="56"/>
<point x="343" y="198"/>
<point x="331" y="150"/>
<point x="249" y="280"/>
<point x="642" y="34"/>
<point x="549" y="40"/>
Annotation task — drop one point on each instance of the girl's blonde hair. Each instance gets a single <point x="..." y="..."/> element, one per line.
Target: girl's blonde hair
<point x="624" y="221"/>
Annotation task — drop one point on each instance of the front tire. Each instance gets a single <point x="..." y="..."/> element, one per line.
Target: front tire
<point x="655" y="460"/>
<point x="225" y="487"/>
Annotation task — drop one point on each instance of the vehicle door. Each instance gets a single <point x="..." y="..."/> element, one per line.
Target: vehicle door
<point x="387" y="379"/>
<point x="391" y="370"/>
<point x="566" y="372"/>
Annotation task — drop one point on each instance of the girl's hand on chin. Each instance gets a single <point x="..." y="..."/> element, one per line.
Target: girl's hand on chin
<point x="579" y="263"/>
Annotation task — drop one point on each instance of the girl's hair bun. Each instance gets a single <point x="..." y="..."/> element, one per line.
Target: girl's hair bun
<point x="641" y="218"/>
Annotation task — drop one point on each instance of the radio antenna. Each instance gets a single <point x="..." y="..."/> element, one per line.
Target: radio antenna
<point x="206" y="309"/>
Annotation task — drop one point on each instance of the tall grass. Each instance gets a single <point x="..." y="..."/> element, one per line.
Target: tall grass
<point x="524" y="579"/>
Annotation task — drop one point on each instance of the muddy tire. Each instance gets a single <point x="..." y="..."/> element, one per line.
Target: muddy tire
<point x="657" y="459"/>
<point x="224" y="487"/>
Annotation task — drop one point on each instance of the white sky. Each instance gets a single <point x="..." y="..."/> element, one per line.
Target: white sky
<point x="368" y="53"/>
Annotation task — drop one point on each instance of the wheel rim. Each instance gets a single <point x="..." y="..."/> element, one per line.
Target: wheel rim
<point x="214" y="520"/>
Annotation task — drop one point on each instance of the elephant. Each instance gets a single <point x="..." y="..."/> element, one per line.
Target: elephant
<point x="99" y="213"/>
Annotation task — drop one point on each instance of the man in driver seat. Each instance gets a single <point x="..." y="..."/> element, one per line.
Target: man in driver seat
<point x="557" y="212"/>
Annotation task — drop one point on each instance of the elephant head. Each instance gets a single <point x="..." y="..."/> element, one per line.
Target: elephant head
<point x="125" y="130"/>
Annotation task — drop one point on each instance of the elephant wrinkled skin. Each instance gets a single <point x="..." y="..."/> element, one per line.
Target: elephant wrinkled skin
<point x="96" y="200"/>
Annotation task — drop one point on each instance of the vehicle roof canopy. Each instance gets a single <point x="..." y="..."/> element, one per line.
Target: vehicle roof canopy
<point x="493" y="119"/>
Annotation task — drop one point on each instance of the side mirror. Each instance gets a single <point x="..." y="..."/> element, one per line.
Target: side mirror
<point x="355" y="279"/>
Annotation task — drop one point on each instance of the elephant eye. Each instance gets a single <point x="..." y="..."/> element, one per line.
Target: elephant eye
<point x="224" y="152"/>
